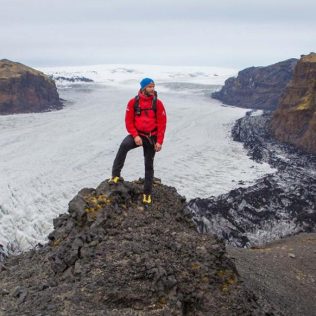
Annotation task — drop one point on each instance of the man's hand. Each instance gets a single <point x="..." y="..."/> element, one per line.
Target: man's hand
<point x="138" y="141"/>
<point x="158" y="147"/>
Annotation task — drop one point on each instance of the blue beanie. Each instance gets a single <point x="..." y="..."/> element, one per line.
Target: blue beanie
<point x="145" y="82"/>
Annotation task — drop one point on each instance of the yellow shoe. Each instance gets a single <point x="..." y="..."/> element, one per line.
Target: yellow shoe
<point x="147" y="199"/>
<point x="114" y="180"/>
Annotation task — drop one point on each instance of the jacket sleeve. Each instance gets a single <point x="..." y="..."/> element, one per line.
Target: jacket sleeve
<point x="129" y="118"/>
<point x="161" y="122"/>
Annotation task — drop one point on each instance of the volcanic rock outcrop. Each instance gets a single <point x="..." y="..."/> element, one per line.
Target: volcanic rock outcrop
<point x="24" y="89"/>
<point x="110" y="256"/>
<point x="294" y="121"/>
<point x="257" y="87"/>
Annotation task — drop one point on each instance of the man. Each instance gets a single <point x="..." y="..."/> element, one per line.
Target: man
<point x="145" y="120"/>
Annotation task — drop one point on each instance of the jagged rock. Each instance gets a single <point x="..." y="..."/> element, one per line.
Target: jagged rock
<point x="24" y="89"/>
<point x="294" y="121"/>
<point x="72" y="79"/>
<point x="257" y="87"/>
<point x="277" y="205"/>
<point x="110" y="256"/>
<point x="4" y="292"/>
<point x="2" y="254"/>
<point x="20" y="294"/>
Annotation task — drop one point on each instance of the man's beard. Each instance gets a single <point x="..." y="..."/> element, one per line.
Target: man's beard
<point x="148" y="93"/>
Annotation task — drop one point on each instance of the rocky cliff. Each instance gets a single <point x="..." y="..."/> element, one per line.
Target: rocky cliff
<point x="24" y="89"/>
<point x="257" y="87"/>
<point x="294" y="121"/>
<point x="110" y="256"/>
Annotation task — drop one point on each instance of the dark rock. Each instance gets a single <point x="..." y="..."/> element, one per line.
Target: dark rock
<point x="3" y="254"/>
<point x="277" y="205"/>
<point x="24" y="89"/>
<point x="272" y="272"/>
<point x="20" y="294"/>
<point x="121" y="259"/>
<point x="4" y="292"/>
<point x="72" y="79"/>
<point x="257" y="87"/>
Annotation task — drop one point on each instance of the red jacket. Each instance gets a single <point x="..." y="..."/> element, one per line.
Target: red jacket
<point x="146" y="121"/>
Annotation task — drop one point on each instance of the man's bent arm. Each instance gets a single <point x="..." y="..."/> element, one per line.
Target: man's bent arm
<point x="129" y="119"/>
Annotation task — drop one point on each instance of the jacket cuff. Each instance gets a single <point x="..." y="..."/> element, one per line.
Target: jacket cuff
<point x="160" y="141"/>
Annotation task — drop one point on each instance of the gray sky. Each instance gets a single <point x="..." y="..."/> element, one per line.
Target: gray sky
<point x="226" y="33"/>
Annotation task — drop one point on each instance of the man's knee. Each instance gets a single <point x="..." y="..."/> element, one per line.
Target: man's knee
<point x="127" y="143"/>
<point x="124" y="147"/>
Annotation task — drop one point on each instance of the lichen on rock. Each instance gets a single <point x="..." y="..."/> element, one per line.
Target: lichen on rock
<point x="294" y="121"/>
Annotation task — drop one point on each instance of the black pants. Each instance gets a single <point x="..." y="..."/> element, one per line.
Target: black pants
<point x="127" y="144"/>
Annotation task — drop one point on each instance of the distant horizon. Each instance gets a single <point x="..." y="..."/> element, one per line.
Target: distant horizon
<point x="57" y="65"/>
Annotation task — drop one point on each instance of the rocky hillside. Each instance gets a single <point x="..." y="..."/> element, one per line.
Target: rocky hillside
<point x="278" y="205"/>
<point x="110" y="256"/>
<point x="294" y="121"/>
<point x="24" y="89"/>
<point x="257" y="87"/>
<point x="283" y="271"/>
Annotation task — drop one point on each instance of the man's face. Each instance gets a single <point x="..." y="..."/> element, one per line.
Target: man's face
<point x="150" y="89"/>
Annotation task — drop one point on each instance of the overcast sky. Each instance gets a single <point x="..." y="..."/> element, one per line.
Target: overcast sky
<point x="228" y="33"/>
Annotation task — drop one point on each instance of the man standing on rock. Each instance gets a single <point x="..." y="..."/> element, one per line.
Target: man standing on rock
<point x="145" y="121"/>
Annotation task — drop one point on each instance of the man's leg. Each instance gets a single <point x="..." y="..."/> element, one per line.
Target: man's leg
<point x="127" y="144"/>
<point x="149" y="155"/>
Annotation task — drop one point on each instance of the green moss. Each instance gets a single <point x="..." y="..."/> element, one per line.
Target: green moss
<point x="56" y="242"/>
<point x="228" y="277"/>
<point x="195" y="266"/>
<point x="95" y="203"/>
<point x="162" y="302"/>
<point x="306" y="103"/>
